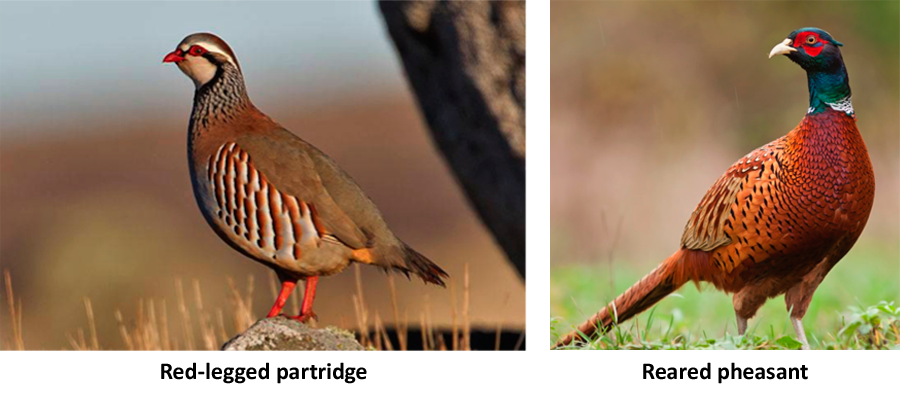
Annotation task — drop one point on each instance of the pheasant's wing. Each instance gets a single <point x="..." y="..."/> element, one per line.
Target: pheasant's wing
<point x="289" y="165"/>
<point x="741" y="215"/>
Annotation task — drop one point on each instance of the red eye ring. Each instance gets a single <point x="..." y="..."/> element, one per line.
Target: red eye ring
<point x="196" y="51"/>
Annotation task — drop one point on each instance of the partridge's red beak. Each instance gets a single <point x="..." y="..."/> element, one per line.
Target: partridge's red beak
<point x="174" y="57"/>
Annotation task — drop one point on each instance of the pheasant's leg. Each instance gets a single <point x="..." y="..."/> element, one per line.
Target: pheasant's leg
<point x="798" y="297"/>
<point x="287" y="286"/>
<point x="309" y="295"/>
<point x="801" y="334"/>
<point x="741" y="324"/>
<point x="746" y="302"/>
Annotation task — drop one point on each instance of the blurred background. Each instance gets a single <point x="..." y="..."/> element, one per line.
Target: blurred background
<point x="653" y="101"/>
<point x="95" y="199"/>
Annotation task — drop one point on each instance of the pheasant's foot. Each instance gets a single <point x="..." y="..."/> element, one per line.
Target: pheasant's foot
<point x="801" y="334"/>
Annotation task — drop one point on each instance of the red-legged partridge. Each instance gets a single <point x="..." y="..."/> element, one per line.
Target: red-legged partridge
<point x="271" y="195"/>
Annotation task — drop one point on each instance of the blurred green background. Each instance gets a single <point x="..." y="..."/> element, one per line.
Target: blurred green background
<point x="95" y="199"/>
<point x="652" y="101"/>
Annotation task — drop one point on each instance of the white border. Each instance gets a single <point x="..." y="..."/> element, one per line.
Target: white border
<point x="538" y="379"/>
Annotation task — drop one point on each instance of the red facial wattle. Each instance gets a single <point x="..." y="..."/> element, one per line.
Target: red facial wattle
<point x="813" y="49"/>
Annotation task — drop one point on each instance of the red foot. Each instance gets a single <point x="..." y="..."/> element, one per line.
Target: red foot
<point x="303" y="317"/>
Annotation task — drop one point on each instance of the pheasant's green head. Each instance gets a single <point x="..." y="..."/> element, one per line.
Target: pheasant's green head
<point x="820" y="55"/>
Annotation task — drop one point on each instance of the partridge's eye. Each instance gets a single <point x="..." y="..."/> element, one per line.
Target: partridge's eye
<point x="811" y="40"/>
<point x="196" y="51"/>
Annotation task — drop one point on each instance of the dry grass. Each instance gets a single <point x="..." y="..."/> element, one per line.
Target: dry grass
<point x="204" y="328"/>
<point x="467" y="327"/>
<point x="15" y="315"/>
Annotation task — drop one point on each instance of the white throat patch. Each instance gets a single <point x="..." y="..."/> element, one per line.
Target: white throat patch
<point x="198" y="69"/>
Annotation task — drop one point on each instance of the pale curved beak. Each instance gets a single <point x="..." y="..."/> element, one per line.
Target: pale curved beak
<point x="782" y="48"/>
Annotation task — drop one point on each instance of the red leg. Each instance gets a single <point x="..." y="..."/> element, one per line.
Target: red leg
<point x="287" y="287"/>
<point x="309" y="295"/>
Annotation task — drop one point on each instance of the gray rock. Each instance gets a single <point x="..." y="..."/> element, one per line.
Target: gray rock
<point x="284" y="334"/>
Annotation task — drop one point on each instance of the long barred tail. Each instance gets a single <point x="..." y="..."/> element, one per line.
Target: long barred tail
<point x="674" y="272"/>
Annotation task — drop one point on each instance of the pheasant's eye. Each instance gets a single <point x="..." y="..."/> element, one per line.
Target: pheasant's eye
<point x="811" y="40"/>
<point x="196" y="51"/>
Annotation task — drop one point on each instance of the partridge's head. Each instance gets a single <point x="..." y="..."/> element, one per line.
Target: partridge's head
<point x="813" y="49"/>
<point x="200" y="56"/>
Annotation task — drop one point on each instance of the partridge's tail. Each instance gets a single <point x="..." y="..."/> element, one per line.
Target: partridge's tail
<point x="415" y="263"/>
<point x="674" y="272"/>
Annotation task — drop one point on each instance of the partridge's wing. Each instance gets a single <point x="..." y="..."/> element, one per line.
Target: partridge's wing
<point x="742" y="212"/>
<point x="289" y="165"/>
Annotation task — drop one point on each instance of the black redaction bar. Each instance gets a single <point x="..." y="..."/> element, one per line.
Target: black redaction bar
<point x="718" y="372"/>
<point x="263" y="373"/>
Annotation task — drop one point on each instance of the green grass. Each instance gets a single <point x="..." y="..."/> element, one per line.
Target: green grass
<point x="852" y="309"/>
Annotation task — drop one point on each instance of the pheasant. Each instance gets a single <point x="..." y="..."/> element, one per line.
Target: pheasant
<point x="272" y="196"/>
<point x="782" y="216"/>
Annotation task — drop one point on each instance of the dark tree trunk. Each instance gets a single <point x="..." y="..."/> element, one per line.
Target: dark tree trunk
<point x="466" y="63"/>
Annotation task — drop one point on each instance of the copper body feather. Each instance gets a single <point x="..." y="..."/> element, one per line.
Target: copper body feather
<point x="775" y="223"/>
